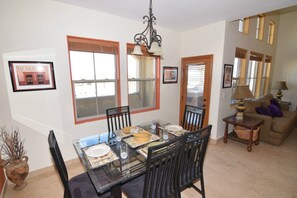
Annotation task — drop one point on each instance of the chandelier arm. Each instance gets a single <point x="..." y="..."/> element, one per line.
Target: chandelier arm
<point x="149" y="34"/>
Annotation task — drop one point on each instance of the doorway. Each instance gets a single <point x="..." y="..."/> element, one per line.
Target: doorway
<point x="196" y="74"/>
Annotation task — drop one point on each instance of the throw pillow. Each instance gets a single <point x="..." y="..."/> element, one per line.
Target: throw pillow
<point x="275" y="102"/>
<point x="264" y="111"/>
<point x="275" y="110"/>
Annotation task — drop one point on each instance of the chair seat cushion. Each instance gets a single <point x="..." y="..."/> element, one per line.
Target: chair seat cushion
<point x="81" y="187"/>
<point x="134" y="188"/>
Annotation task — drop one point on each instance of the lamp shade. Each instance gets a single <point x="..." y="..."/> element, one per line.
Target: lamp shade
<point x="137" y="50"/>
<point x="280" y="85"/>
<point x="242" y="92"/>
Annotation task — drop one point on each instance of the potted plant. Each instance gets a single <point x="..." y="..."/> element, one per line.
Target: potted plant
<point x="15" y="163"/>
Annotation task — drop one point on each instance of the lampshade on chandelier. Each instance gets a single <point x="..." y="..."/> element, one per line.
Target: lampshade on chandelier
<point x="148" y="37"/>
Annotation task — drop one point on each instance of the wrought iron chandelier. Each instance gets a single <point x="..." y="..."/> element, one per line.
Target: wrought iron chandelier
<point x="148" y="37"/>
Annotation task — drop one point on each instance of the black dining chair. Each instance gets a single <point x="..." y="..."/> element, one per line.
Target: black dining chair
<point x="192" y="159"/>
<point x="193" y="118"/>
<point x="117" y="118"/>
<point x="160" y="179"/>
<point x="79" y="186"/>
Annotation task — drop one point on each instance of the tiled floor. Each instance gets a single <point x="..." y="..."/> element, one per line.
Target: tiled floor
<point x="230" y="171"/>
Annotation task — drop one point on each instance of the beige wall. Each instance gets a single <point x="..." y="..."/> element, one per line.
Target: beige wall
<point x="285" y="67"/>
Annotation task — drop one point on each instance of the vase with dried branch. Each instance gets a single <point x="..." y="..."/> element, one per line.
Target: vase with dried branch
<point x="15" y="163"/>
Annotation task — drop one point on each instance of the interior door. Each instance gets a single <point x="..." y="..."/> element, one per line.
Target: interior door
<point x="195" y="90"/>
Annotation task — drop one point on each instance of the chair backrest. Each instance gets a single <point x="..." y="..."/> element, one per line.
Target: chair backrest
<point x="192" y="159"/>
<point x="117" y="118"/>
<point x="59" y="162"/>
<point x="162" y="169"/>
<point x="193" y="118"/>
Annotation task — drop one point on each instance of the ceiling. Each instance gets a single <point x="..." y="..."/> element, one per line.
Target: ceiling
<point x="184" y="14"/>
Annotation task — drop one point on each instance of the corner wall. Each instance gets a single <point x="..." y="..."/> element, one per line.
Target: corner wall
<point x="286" y="57"/>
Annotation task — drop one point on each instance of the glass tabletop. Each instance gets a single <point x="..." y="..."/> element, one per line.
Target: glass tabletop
<point x="110" y="170"/>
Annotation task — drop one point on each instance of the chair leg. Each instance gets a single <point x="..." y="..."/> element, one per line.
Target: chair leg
<point x="202" y="191"/>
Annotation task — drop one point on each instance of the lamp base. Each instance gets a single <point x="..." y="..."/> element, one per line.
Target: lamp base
<point x="239" y="116"/>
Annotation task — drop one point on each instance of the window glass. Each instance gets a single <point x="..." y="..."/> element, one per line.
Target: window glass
<point x="142" y="81"/>
<point x="271" y="30"/>
<point x="260" y="28"/>
<point x="94" y="77"/>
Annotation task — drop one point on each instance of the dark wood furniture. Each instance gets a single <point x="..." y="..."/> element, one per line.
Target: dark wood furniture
<point x="78" y="186"/>
<point x="247" y="122"/>
<point x="117" y="118"/>
<point x="160" y="179"/>
<point x="193" y="118"/>
<point x="192" y="159"/>
<point x="112" y="176"/>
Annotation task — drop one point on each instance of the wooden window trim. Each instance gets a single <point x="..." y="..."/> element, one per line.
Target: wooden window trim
<point x="74" y="43"/>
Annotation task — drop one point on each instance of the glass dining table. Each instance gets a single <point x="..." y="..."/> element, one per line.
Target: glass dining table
<point x="110" y="171"/>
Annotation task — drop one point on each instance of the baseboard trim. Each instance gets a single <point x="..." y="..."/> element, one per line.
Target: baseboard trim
<point x="4" y="189"/>
<point x="51" y="169"/>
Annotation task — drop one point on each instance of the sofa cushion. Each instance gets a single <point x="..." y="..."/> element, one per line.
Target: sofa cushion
<point x="264" y="111"/>
<point x="251" y="105"/>
<point x="281" y="124"/>
<point x="275" y="110"/>
<point x="275" y="102"/>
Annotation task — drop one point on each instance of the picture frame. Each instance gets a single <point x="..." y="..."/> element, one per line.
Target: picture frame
<point x="228" y="74"/>
<point x="170" y="74"/>
<point x="32" y="75"/>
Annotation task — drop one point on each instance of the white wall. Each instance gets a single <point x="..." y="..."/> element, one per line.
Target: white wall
<point x="203" y="41"/>
<point x="36" y="30"/>
<point x="286" y="57"/>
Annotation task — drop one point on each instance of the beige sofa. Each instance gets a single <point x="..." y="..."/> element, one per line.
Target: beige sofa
<point x="275" y="129"/>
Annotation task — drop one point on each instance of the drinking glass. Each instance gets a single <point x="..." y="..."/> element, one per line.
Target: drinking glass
<point x="124" y="150"/>
<point x="118" y="135"/>
<point x="165" y="134"/>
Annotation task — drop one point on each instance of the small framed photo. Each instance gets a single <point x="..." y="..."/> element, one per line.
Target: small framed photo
<point x="170" y="75"/>
<point x="32" y="75"/>
<point x="228" y="73"/>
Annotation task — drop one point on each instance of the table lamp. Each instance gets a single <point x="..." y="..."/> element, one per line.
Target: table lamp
<point x="241" y="92"/>
<point x="280" y="85"/>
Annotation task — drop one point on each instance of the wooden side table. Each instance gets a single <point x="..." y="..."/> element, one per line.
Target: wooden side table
<point x="247" y="122"/>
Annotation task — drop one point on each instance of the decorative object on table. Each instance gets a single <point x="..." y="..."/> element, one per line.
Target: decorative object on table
<point x="134" y="144"/>
<point x="16" y="165"/>
<point x="148" y="37"/>
<point x="241" y="92"/>
<point x="280" y="85"/>
<point x="227" y="78"/>
<point x="142" y="136"/>
<point x="170" y="75"/>
<point x="32" y="75"/>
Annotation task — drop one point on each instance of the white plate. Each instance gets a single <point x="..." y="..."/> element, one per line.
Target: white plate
<point x="173" y="128"/>
<point x="98" y="150"/>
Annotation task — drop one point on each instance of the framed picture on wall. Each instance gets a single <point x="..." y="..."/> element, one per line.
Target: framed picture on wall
<point x="227" y="78"/>
<point x="170" y="74"/>
<point x="32" y="75"/>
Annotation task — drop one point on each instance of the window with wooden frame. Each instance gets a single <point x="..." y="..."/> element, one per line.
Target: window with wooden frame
<point x="255" y="73"/>
<point x="143" y="81"/>
<point x="94" y="66"/>
<point x="239" y="70"/>
<point x="260" y="27"/>
<point x="266" y="75"/>
<point x="271" y="30"/>
<point x="244" y="25"/>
